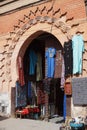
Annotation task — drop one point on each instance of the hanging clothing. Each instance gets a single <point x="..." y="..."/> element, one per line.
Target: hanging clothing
<point x="29" y="89"/>
<point x="20" y="95"/>
<point x="34" y="93"/>
<point x="78" y="49"/>
<point x="39" y="67"/>
<point x="40" y="93"/>
<point x="64" y="107"/>
<point x="58" y="64"/>
<point x="50" y="60"/>
<point x="33" y="61"/>
<point x="62" y="74"/>
<point x="20" y="71"/>
<point x="68" y="58"/>
<point x="46" y="85"/>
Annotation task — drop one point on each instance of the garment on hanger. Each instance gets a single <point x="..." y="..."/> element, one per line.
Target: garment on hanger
<point x="50" y="60"/>
<point x="33" y="61"/>
<point x="78" y="49"/>
<point x="58" y="64"/>
<point x="46" y="85"/>
<point x="29" y="89"/>
<point x="62" y="74"/>
<point x="68" y="58"/>
<point x="20" y="95"/>
<point x="40" y="93"/>
<point x="34" y="93"/>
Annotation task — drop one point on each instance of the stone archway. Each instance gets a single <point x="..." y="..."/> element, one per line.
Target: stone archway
<point x="26" y="39"/>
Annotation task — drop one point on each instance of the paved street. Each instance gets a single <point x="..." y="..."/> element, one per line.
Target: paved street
<point x="27" y="124"/>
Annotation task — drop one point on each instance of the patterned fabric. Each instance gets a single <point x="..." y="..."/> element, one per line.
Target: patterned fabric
<point x="46" y="85"/>
<point x="78" y="49"/>
<point x="79" y="91"/>
<point x="20" y="71"/>
<point x="20" y="95"/>
<point x="62" y="74"/>
<point x="68" y="58"/>
<point x="58" y="64"/>
<point x="40" y="93"/>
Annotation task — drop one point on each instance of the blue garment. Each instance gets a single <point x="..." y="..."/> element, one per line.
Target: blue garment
<point x="50" y="53"/>
<point x="33" y="61"/>
<point x="64" y="107"/>
<point x="29" y="89"/>
<point x="20" y="95"/>
<point x="78" y="49"/>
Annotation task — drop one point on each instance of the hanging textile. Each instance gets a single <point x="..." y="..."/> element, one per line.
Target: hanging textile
<point x="46" y="85"/>
<point x="79" y="91"/>
<point x="50" y="59"/>
<point x="40" y="93"/>
<point x="58" y="64"/>
<point x="33" y="61"/>
<point x="62" y="74"/>
<point x="64" y="107"/>
<point x="39" y="67"/>
<point x="29" y="89"/>
<point x="78" y="49"/>
<point x="20" y="71"/>
<point x="34" y="93"/>
<point x="68" y="58"/>
<point x="20" y="95"/>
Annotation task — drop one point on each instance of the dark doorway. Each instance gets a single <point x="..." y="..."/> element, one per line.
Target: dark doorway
<point x="40" y="44"/>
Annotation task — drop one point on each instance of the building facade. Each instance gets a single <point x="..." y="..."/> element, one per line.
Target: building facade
<point x="40" y="21"/>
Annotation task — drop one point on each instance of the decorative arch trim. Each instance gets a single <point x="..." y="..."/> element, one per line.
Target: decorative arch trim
<point x="28" y="36"/>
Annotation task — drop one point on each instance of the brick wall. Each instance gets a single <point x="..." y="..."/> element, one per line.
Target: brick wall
<point x="74" y="8"/>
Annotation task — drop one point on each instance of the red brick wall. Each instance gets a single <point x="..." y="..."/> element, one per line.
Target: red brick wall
<point x="74" y="8"/>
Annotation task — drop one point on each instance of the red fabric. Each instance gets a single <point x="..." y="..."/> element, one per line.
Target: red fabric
<point x="40" y="94"/>
<point x="25" y="111"/>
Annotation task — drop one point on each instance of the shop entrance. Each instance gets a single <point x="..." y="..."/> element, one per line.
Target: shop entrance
<point x="37" y="82"/>
<point x="56" y="98"/>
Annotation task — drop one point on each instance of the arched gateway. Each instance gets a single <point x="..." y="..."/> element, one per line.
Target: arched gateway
<point x="40" y="35"/>
<point x="27" y="38"/>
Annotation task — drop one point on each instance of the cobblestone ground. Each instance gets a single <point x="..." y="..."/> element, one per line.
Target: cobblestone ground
<point x="27" y="124"/>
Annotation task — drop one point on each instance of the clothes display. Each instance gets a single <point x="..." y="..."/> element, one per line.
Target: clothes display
<point x="62" y="74"/>
<point x="20" y="71"/>
<point x="20" y="95"/>
<point x="34" y="93"/>
<point x="50" y="59"/>
<point x="29" y="89"/>
<point x="39" y="67"/>
<point x="46" y="85"/>
<point x="68" y="58"/>
<point x="58" y="64"/>
<point x="40" y="93"/>
<point x="33" y="61"/>
<point x="64" y="107"/>
<point x="78" y="49"/>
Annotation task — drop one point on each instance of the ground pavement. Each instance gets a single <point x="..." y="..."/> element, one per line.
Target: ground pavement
<point x="27" y="124"/>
